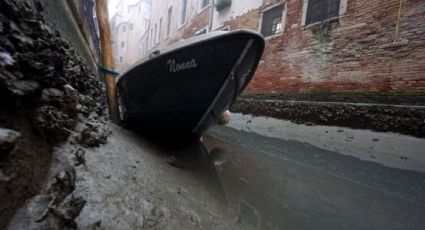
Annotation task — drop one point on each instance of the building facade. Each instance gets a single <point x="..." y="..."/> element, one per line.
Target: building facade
<point x="128" y="25"/>
<point x="325" y="45"/>
<point x="173" y="21"/>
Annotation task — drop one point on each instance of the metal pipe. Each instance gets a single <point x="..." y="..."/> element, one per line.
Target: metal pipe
<point x="397" y="28"/>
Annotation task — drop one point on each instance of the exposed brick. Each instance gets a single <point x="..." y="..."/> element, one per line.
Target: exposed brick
<point x="359" y="56"/>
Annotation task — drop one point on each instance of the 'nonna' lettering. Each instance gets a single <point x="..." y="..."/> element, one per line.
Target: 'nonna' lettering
<point x="177" y="67"/>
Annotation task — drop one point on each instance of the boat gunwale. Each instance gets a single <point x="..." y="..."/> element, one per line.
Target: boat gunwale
<point x="190" y="43"/>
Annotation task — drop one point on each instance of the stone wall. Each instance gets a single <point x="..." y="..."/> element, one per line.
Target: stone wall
<point x="67" y="18"/>
<point x="198" y="22"/>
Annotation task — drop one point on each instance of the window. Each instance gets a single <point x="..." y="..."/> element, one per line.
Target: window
<point x="122" y="44"/>
<point x="151" y="43"/>
<point x="155" y="34"/>
<point x="146" y="23"/>
<point x="204" y="3"/>
<point x="121" y="59"/>
<point x="183" y="12"/>
<point x="130" y="27"/>
<point x="169" y="14"/>
<point x="272" y="21"/>
<point x="160" y="29"/>
<point x="147" y="10"/>
<point x="321" y="10"/>
<point x="124" y="28"/>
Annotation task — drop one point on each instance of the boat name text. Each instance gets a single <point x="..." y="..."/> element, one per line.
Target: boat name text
<point x="177" y="67"/>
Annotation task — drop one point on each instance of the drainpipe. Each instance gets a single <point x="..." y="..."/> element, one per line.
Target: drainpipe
<point x="211" y="16"/>
<point x="397" y="28"/>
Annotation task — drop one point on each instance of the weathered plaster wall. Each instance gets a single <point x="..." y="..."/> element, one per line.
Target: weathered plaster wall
<point x="238" y="8"/>
<point x="196" y="19"/>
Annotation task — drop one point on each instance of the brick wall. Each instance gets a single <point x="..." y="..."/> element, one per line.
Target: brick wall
<point x="196" y="23"/>
<point x="355" y="53"/>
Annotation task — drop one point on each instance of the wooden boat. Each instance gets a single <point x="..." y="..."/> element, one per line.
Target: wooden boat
<point x="184" y="88"/>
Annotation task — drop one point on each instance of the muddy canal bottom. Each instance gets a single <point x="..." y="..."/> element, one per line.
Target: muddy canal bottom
<point x="296" y="182"/>
<point x="255" y="173"/>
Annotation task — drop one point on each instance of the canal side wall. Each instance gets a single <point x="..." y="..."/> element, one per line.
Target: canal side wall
<point x="48" y="84"/>
<point x="71" y="18"/>
<point x="405" y="119"/>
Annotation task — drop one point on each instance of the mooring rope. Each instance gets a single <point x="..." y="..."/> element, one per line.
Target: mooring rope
<point x="106" y="70"/>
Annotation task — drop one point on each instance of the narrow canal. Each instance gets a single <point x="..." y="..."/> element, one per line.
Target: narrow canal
<point x="275" y="183"/>
<point x="254" y="173"/>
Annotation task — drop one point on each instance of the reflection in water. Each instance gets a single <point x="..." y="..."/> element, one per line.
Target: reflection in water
<point x="190" y="154"/>
<point x="212" y="165"/>
<point x="278" y="184"/>
<point x="265" y="183"/>
<point x="246" y="185"/>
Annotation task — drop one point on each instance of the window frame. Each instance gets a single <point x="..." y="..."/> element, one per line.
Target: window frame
<point x="181" y="24"/>
<point x="341" y="12"/>
<point x="169" y="18"/>
<point x="151" y="39"/>
<point x="202" y="9"/>
<point x="155" y="34"/>
<point x="284" y="12"/>
<point x="160" y="30"/>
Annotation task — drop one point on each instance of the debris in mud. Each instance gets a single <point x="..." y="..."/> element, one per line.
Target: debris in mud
<point x="97" y="225"/>
<point x="8" y="139"/>
<point x="4" y="178"/>
<point x="38" y="206"/>
<point x="53" y="210"/>
<point x="64" y="184"/>
<point x="63" y="218"/>
<point x="80" y="158"/>
<point x="94" y="135"/>
<point x="53" y="123"/>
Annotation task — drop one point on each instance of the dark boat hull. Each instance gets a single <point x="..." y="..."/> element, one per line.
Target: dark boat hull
<point x="185" y="90"/>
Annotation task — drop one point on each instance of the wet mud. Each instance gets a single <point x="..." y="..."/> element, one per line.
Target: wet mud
<point x="274" y="183"/>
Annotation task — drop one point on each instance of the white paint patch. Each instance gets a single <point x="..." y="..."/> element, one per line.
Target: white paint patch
<point x="389" y="149"/>
<point x="238" y="8"/>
